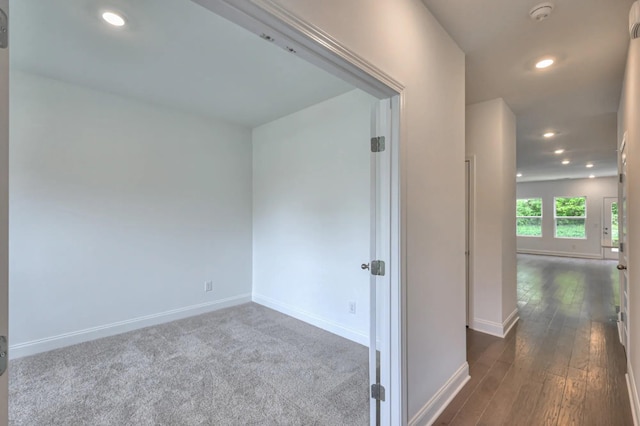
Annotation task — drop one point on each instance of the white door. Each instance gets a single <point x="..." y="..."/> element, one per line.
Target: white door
<point x="379" y="266"/>
<point x="4" y="211"/>
<point x="610" y="238"/>
<point x="622" y="229"/>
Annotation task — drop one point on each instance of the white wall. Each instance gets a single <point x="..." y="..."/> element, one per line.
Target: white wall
<point x="594" y="189"/>
<point x="491" y="141"/>
<point x="628" y="123"/>
<point x="120" y="210"/>
<point x="311" y="214"/>
<point x="403" y="39"/>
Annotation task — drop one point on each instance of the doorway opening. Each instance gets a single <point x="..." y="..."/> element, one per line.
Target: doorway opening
<point x="149" y="187"/>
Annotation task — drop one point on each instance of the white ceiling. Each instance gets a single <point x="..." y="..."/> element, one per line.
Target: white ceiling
<point x="171" y="52"/>
<point x="578" y="97"/>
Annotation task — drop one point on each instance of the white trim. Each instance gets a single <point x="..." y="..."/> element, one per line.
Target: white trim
<point x="66" y="339"/>
<point x="472" y="238"/>
<point x="487" y="327"/>
<point x="619" y="324"/>
<point x="315" y="37"/>
<point x="429" y="413"/>
<point x="310" y="42"/>
<point x="323" y="323"/>
<point x="496" y="328"/>
<point x="561" y="254"/>
<point x="633" y="393"/>
<point x="511" y="320"/>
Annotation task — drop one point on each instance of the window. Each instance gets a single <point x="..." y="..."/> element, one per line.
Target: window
<point x="615" y="238"/>
<point x="529" y="217"/>
<point x="571" y="217"/>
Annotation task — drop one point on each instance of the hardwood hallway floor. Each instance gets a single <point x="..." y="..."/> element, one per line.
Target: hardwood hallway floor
<point x="562" y="364"/>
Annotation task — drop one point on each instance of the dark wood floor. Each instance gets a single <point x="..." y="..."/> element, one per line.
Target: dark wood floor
<point x="562" y="364"/>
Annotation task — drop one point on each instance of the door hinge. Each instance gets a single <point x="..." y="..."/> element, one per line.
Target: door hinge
<point x="377" y="267"/>
<point x="377" y="392"/>
<point x="4" y="30"/>
<point x="621" y="178"/>
<point x="622" y="316"/>
<point x="621" y="247"/>
<point x="377" y="144"/>
<point x="3" y="354"/>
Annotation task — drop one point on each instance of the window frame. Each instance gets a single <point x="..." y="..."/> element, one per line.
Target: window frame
<point x="556" y="217"/>
<point x="530" y="217"/>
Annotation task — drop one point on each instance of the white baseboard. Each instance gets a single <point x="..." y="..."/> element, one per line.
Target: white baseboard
<point x="323" y="323"/>
<point x="561" y="254"/>
<point x="511" y="320"/>
<point x="619" y="324"/>
<point x="429" y="413"/>
<point x="496" y="328"/>
<point x="54" y="342"/>
<point x="633" y="394"/>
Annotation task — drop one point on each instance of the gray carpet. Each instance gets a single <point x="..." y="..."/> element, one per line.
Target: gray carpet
<point x="246" y="365"/>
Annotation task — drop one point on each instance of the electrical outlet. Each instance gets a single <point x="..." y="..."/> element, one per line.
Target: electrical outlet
<point x="208" y="286"/>
<point x="352" y="307"/>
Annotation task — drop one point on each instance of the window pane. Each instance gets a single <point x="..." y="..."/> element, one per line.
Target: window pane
<point x="529" y="207"/>
<point x="614" y="224"/>
<point x="575" y="206"/>
<point x="570" y="228"/>
<point x="529" y="227"/>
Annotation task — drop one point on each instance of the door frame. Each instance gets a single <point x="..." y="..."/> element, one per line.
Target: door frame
<point x="266" y="18"/>
<point x="470" y="190"/>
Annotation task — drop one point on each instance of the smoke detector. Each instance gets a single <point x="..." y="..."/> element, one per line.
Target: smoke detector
<point x="541" y="11"/>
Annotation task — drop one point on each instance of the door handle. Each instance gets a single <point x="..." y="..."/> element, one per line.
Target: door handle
<point x="621" y="267"/>
<point x="364" y="266"/>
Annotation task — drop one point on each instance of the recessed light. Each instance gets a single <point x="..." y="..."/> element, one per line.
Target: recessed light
<point x="545" y="63"/>
<point x="589" y="165"/>
<point x="558" y="151"/>
<point x="519" y="175"/>
<point x="549" y="134"/>
<point x="113" y="18"/>
<point x="591" y="176"/>
<point x="565" y="162"/>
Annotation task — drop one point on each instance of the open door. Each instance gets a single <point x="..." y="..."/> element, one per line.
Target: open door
<point x="4" y="211"/>
<point x="622" y="230"/>
<point x="380" y="282"/>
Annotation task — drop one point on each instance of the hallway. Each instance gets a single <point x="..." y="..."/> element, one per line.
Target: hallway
<point x="562" y="364"/>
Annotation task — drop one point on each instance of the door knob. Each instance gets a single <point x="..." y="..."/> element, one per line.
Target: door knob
<point x="621" y="267"/>
<point x="364" y="266"/>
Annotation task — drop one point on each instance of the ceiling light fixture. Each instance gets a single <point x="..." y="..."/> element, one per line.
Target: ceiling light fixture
<point x="113" y="18"/>
<point x="558" y="151"/>
<point x="541" y="11"/>
<point x="591" y="176"/>
<point x="565" y="162"/>
<point x="545" y="63"/>
<point x="549" y="135"/>
<point x="589" y="165"/>
<point x="519" y="175"/>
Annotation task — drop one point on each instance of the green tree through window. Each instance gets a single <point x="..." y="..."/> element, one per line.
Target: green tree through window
<point x="529" y="217"/>
<point x="570" y="217"/>
<point x="615" y="239"/>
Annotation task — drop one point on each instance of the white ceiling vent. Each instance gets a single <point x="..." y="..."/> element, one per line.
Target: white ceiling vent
<point x="541" y="11"/>
<point x="634" y="20"/>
